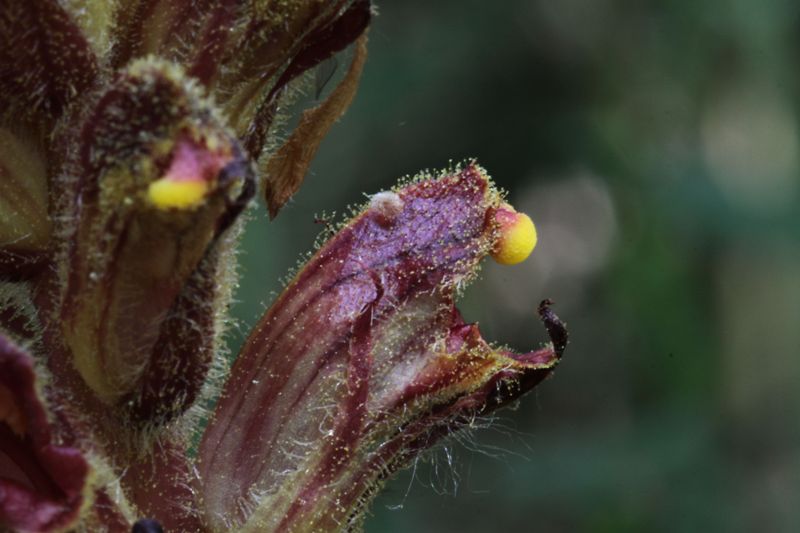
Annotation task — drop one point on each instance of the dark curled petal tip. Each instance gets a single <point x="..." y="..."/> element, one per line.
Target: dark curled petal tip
<point x="545" y="304"/>
<point x="556" y="329"/>
<point x="147" y="525"/>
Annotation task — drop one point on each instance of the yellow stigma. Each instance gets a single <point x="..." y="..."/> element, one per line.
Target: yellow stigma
<point x="168" y="193"/>
<point x="517" y="236"/>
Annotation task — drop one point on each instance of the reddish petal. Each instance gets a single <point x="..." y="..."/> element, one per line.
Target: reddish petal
<point x="362" y="344"/>
<point x="41" y="482"/>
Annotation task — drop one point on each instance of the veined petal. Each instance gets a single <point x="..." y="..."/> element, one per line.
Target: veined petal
<point x="162" y="181"/>
<point x="43" y="484"/>
<point x="361" y="361"/>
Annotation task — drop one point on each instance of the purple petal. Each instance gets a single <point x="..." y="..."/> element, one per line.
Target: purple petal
<point x="359" y="360"/>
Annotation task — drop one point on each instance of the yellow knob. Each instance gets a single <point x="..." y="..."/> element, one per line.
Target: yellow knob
<point x="516" y="236"/>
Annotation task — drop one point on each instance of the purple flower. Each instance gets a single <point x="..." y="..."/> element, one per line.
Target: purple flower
<point x="131" y="138"/>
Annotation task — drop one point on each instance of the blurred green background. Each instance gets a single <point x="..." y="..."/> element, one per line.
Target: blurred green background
<point x="655" y="144"/>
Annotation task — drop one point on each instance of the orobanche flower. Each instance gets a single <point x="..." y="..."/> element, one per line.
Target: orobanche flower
<point x="133" y="135"/>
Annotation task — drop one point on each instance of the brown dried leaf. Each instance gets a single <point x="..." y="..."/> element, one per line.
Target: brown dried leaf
<point x="287" y="168"/>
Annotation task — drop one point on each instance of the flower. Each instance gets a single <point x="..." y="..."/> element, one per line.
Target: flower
<point x="132" y="136"/>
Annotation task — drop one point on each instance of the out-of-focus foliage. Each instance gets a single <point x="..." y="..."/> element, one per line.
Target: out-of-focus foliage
<point x="656" y="146"/>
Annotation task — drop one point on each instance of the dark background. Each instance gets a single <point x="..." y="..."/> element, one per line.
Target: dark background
<point x="655" y="145"/>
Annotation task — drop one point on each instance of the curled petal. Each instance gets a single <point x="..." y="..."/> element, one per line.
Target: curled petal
<point x="42" y="483"/>
<point x="162" y="181"/>
<point x="361" y="361"/>
<point x="272" y="34"/>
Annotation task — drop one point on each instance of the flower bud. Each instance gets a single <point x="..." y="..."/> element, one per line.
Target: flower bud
<point x="162" y="182"/>
<point x="264" y="47"/>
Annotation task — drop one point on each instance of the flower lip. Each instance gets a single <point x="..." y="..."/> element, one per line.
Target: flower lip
<point x="41" y="483"/>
